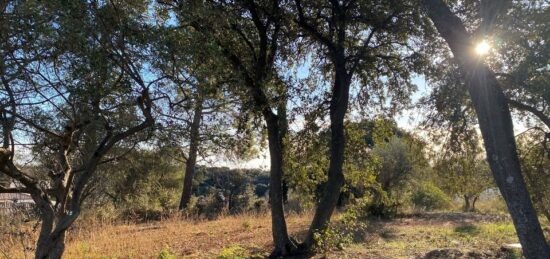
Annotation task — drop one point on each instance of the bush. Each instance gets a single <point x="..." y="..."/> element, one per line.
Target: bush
<point x="429" y="197"/>
<point x="331" y="238"/>
<point x="381" y="205"/>
<point x="243" y="202"/>
<point x="166" y="254"/>
<point x="212" y="206"/>
<point x="349" y="228"/>
<point x="233" y="252"/>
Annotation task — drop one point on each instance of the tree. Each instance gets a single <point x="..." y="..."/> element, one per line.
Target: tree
<point x="463" y="172"/>
<point x="248" y="36"/>
<point x="141" y="185"/>
<point x="76" y="102"/>
<point x="536" y="164"/>
<point x="362" y="39"/>
<point x="522" y="58"/>
<point x="200" y="110"/>
<point x="400" y="159"/>
<point x="496" y="127"/>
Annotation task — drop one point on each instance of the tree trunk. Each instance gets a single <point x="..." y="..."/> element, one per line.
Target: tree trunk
<point x="335" y="181"/>
<point x="283" y="130"/>
<point x="283" y="244"/>
<point x="470" y="203"/>
<point x="192" y="157"/>
<point x="49" y="245"/>
<point x="51" y="249"/>
<point x="496" y="128"/>
<point x="467" y="205"/>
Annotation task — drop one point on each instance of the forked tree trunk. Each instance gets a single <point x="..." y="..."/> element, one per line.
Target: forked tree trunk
<point x="470" y="203"/>
<point x="474" y="203"/>
<point x="191" y="162"/>
<point x="466" y="203"/>
<point x="51" y="248"/>
<point x="496" y="127"/>
<point x="335" y="181"/>
<point x="51" y="241"/>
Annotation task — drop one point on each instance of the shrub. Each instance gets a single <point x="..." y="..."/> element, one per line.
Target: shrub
<point x="243" y="202"/>
<point x="350" y="227"/>
<point x="233" y="252"/>
<point x="166" y="254"/>
<point x="331" y="238"/>
<point x="213" y="205"/>
<point x="381" y="205"/>
<point x="429" y="197"/>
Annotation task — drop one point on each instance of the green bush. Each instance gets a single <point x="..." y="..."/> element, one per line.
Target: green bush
<point x="212" y="206"/>
<point x="381" y="205"/>
<point x="166" y="254"/>
<point x="429" y="197"/>
<point x="233" y="252"/>
<point x="243" y="202"/>
<point x="330" y="239"/>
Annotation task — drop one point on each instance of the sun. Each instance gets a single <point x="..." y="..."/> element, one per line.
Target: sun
<point x="483" y="48"/>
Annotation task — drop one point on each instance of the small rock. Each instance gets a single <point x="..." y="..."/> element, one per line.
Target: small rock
<point x="510" y="247"/>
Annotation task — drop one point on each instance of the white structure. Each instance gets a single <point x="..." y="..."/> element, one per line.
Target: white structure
<point x="12" y="202"/>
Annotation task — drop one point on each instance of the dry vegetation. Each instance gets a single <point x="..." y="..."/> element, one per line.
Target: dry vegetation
<point x="249" y="236"/>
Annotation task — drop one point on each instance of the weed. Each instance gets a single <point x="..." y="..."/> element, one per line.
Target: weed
<point x="166" y="254"/>
<point x="233" y="252"/>
<point x="247" y="225"/>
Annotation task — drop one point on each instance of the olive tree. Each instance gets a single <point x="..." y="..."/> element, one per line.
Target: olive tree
<point x="72" y="106"/>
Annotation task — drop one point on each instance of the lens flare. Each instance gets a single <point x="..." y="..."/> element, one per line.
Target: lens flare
<point x="483" y="48"/>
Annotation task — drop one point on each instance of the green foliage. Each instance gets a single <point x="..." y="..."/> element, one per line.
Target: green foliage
<point x="331" y="238"/>
<point x="233" y="252"/>
<point x="233" y="191"/>
<point x="401" y="160"/>
<point x="467" y="230"/>
<point x="430" y="197"/>
<point x="145" y="184"/>
<point x="535" y="162"/>
<point x="340" y="235"/>
<point x="165" y="253"/>
<point x="212" y="206"/>
<point x="463" y="171"/>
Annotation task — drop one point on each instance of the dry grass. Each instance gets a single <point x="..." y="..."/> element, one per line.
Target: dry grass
<point x="400" y="238"/>
<point x="193" y="239"/>
<point x="181" y="237"/>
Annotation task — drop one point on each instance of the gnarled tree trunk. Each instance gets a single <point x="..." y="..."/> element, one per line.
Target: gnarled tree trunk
<point x="496" y="127"/>
<point x="51" y="239"/>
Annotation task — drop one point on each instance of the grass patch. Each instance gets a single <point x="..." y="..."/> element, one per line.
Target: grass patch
<point x="467" y="229"/>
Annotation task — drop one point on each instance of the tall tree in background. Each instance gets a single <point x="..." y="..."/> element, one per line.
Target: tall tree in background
<point x="463" y="171"/>
<point x="200" y="108"/>
<point x="495" y="121"/>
